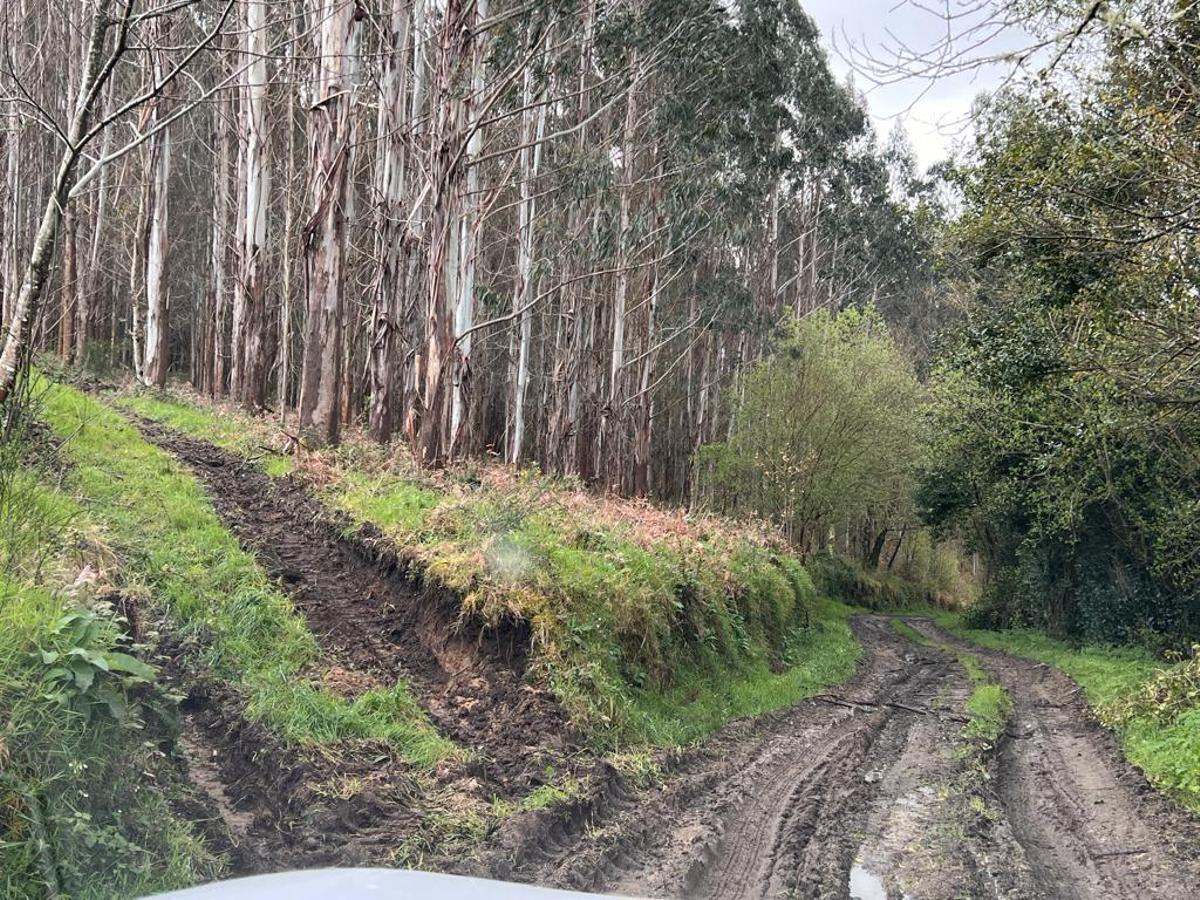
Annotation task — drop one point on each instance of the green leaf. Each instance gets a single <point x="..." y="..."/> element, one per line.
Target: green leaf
<point x="84" y="674"/>
<point x="123" y="662"/>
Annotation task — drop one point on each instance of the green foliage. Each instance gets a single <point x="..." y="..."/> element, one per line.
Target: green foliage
<point x="1166" y="698"/>
<point x="167" y="532"/>
<point x="83" y="671"/>
<point x="85" y="797"/>
<point x="826" y="433"/>
<point x="1063" y="407"/>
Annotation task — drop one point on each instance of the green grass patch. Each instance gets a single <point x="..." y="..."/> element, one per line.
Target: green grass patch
<point x="166" y="531"/>
<point x="224" y="431"/>
<point x="989" y="708"/>
<point x="85" y="794"/>
<point x="815" y="657"/>
<point x="906" y="631"/>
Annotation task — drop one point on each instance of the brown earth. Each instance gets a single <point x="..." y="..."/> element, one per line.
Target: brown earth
<point x="873" y="791"/>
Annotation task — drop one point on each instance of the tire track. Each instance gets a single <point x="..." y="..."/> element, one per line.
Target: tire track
<point x="1089" y="823"/>
<point x="375" y="626"/>
<point x="772" y="808"/>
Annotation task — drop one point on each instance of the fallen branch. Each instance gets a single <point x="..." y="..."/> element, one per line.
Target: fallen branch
<point x="868" y="704"/>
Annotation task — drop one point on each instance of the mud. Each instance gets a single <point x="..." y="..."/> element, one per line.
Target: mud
<point x="789" y="805"/>
<point x="871" y="791"/>
<point x="376" y="624"/>
<point x="877" y="793"/>
<point x="1090" y="824"/>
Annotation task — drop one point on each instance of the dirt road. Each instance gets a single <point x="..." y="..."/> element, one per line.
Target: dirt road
<point x="873" y="791"/>
<point x="876" y="793"/>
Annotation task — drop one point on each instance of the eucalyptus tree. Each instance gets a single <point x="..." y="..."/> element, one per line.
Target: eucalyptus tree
<point x="111" y="32"/>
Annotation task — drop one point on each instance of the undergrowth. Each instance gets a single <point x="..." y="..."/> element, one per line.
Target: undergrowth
<point x="85" y="793"/>
<point x="650" y="627"/>
<point x="215" y="594"/>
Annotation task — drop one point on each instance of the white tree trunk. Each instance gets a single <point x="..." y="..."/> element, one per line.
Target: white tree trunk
<point x="533" y="130"/>
<point x="250" y="316"/>
<point x="154" y="368"/>
<point x="463" y="254"/>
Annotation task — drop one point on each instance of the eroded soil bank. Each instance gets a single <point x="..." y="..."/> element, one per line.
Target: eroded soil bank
<point x="873" y="790"/>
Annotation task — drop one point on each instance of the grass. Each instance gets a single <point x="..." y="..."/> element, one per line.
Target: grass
<point x="85" y="794"/>
<point x="1166" y="749"/>
<point x="988" y="706"/>
<point x="649" y="627"/>
<point x="224" y="431"/>
<point x="823" y="654"/>
<point x="166" y="531"/>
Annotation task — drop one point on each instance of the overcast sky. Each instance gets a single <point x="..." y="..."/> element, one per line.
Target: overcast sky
<point x="933" y="114"/>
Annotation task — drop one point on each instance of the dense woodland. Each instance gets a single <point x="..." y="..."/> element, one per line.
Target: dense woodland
<point x="654" y="245"/>
<point x="552" y="232"/>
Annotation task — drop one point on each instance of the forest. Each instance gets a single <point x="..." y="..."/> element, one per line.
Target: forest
<point x="499" y="437"/>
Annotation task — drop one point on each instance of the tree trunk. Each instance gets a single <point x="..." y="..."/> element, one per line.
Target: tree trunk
<point x="394" y="244"/>
<point x="533" y="130"/>
<point x="250" y="350"/>
<point x="469" y="225"/>
<point x="330" y="140"/>
<point x="154" y="367"/>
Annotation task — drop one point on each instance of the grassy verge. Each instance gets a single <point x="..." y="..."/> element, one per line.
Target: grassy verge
<point x="167" y="533"/>
<point x="85" y="793"/>
<point x="1163" y="742"/>
<point x="650" y="627"/>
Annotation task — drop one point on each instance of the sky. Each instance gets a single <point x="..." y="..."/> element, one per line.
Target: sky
<point x="935" y="113"/>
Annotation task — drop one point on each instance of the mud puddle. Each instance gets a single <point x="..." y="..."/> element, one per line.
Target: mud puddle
<point x="865" y="884"/>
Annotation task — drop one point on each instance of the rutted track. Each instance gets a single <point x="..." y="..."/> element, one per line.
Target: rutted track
<point x="1091" y="825"/>
<point x="882" y="783"/>
<point x="782" y="807"/>
<point x="875" y="783"/>
<point x="376" y="625"/>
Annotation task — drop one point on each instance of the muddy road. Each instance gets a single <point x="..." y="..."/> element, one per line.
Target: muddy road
<point x="873" y="790"/>
<point x="878" y="793"/>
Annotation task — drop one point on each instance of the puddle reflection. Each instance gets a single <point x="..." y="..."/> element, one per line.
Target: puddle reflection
<point x="865" y="884"/>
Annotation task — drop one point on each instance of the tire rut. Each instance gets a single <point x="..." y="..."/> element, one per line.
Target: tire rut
<point x="781" y="806"/>
<point x="376" y="626"/>
<point x="1090" y="824"/>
